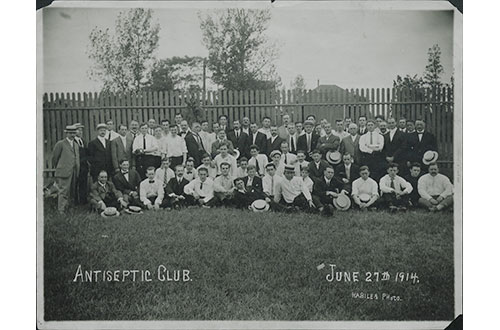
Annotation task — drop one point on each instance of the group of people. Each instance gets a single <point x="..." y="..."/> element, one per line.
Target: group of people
<point x="306" y="165"/>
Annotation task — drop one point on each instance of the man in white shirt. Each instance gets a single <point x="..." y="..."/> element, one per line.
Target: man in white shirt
<point x="165" y="125"/>
<point x="435" y="189"/>
<point x="207" y="138"/>
<point x="266" y="127"/>
<point x="291" y="191"/>
<point x="151" y="126"/>
<point x="395" y="191"/>
<point x="258" y="160"/>
<point x="225" y="157"/>
<point x="202" y="189"/>
<point x="161" y="141"/>
<point x="145" y="149"/>
<point x="301" y="162"/>
<point x="292" y="138"/>
<point x="371" y="145"/>
<point x="241" y="170"/>
<point x="287" y="158"/>
<point x="339" y="129"/>
<point x="176" y="148"/>
<point x="110" y="130"/>
<point x="283" y="129"/>
<point x="206" y="162"/>
<point x="365" y="190"/>
<point x="269" y="182"/>
<point x="151" y="191"/>
<point x="164" y="173"/>
<point x="224" y="185"/>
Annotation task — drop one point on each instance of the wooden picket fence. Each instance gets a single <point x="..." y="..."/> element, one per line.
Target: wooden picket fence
<point x="434" y="106"/>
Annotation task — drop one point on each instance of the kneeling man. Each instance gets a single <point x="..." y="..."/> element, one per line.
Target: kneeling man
<point x="435" y="189"/>
<point x="291" y="191"/>
<point x="365" y="190"/>
<point x="103" y="193"/>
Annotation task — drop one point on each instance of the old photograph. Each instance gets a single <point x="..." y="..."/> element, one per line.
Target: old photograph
<point x="289" y="162"/>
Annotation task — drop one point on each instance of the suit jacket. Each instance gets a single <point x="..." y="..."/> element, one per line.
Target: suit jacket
<point x="100" y="157"/>
<point x="314" y="172"/>
<point x="365" y="130"/>
<point x="350" y="147"/>
<point x="275" y="145"/>
<point x="302" y="143"/>
<point x="260" y="141"/>
<point x="320" y="186"/>
<point x="256" y="184"/>
<point x="66" y="159"/>
<point x="395" y="148"/>
<point x="416" y="149"/>
<point x="327" y="143"/>
<point x="134" y="180"/>
<point x="216" y="144"/>
<point x="242" y="143"/>
<point x="118" y="151"/>
<point x="173" y="186"/>
<point x="99" y="193"/>
<point x="340" y="172"/>
<point x="84" y="155"/>
<point x="194" y="148"/>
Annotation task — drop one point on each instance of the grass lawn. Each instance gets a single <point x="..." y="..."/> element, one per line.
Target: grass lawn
<point x="249" y="266"/>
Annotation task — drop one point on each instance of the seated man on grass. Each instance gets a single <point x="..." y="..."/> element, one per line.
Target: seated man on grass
<point x="243" y="197"/>
<point x="175" y="197"/>
<point x="412" y="178"/>
<point x="252" y="181"/>
<point x="304" y="174"/>
<point x="224" y="186"/>
<point x="291" y="192"/>
<point x="259" y="160"/>
<point x="365" y="190"/>
<point x="164" y="173"/>
<point x="326" y="189"/>
<point x="395" y="190"/>
<point x="190" y="172"/>
<point x="201" y="189"/>
<point x="104" y="194"/>
<point x="151" y="191"/>
<point x="127" y="181"/>
<point x="435" y="189"/>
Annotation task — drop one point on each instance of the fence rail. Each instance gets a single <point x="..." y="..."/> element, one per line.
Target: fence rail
<point x="434" y="106"/>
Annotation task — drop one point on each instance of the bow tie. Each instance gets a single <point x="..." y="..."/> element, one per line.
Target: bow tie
<point x="189" y="172"/>
<point x="125" y="172"/>
<point x="151" y="181"/>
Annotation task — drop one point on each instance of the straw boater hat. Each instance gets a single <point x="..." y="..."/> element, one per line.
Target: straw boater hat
<point x="70" y="128"/>
<point x="133" y="210"/>
<point x="274" y="152"/>
<point x="236" y="153"/>
<point x="342" y="202"/>
<point x="289" y="168"/>
<point x="110" y="212"/>
<point x="308" y="122"/>
<point x="430" y="157"/>
<point x="364" y="198"/>
<point x="78" y="125"/>
<point x="101" y="125"/>
<point x="333" y="157"/>
<point x="259" y="205"/>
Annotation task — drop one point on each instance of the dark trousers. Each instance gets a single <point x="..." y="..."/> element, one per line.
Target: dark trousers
<point x="389" y="199"/>
<point x="82" y="185"/>
<point x="322" y="201"/>
<point x="173" y="203"/>
<point x="376" y="163"/>
<point x="299" y="201"/>
<point x="132" y="201"/>
<point x="174" y="161"/>
<point x="145" y="161"/>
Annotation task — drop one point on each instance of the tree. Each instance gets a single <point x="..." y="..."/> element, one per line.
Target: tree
<point x="433" y="69"/>
<point x="298" y="83"/>
<point x="408" y="82"/>
<point x="177" y="73"/>
<point x="122" y="61"/>
<point x="240" y="56"/>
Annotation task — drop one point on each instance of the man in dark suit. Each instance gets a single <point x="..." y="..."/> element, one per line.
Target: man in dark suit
<point x="253" y="183"/>
<point x="240" y="139"/>
<point x="325" y="189"/>
<point x="66" y="161"/>
<point x="415" y="174"/>
<point x="83" y="175"/>
<point x="274" y="142"/>
<point x="308" y="141"/>
<point x="395" y="145"/>
<point x="194" y="143"/>
<point x="350" y="143"/>
<point x="347" y="171"/>
<point x="103" y="193"/>
<point x="121" y="148"/>
<point x="127" y="181"/>
<point x="100" y="153"/>
<point x="419" y="142"/>
<point x="175" y="197"/>
<point x="329" y="141"/>
<point x="221" y="140"/>
<point x="317" y="165"/>
<point x="257" y="138"/>
<point x="242" y="196"/>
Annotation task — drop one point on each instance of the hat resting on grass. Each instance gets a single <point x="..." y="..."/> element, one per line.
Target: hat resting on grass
<point x="342" y="202"/>
<point x="133" y="210"/>
<point x="110" y="212"/>
<point x="259" y="205"/>
<point x="430" y="157"/>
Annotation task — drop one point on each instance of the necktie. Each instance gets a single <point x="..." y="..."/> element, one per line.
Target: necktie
<point x="371" y="137"/>
<point x="201" y="185"/>
<point x="237" y="134"/>
<point x="286" y="162"/>
<point x="292" y="144"/>
<point x="257" y="165"/>
<point x="144" y="142"/>
<point x="272" y="186"/>
<point x="392" y="184"/>
<point x="151" y="181"/>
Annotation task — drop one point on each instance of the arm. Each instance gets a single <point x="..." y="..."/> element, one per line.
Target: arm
<point x="448" y="190"/>
<point x="384" y="187"/>
<point x="56" y="154"/>
<point x="217" y="186"/>
<point x="277" y="192"/>
<point x="380" y="144"/>
<point x="422" y="189"/>
<point x="114" y="155"/>
<point x="160" y="196"/>
<point x="408" y="187"/>
<point x="142" y="194"/>
<point x="189" y="188"/>
<point x="363" y="147"/>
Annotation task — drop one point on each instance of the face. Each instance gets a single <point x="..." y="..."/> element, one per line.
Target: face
<point x="364" y="174"/>
<point x="383" y="126"/>
<point x="301" y="157"/>
<point x="71" y="135"/>
<point x="206" y="161"/>
<point x="353" y="130"/>
<point x="362" y="121"/>
<point x="151" y="123"/>
<point x="328" y="128"/>
<point x="286" y="119"/>
<point x="243" y="164"/>
<point x="165" y="163"/>
<point x="184" y="125"/>
<point x="347" y="122"/>
<point x="134" y="126"/>
<point x="254" y="128"/>
<point x="370" y="126"/>
<point x="221" y="135"/>
<point x="284" y="147"/>
<point x="240" y="185"/>
<point x="125" y="166"/>
<point x="304" y="173"/>
<point x="179" y="171"/>
<point x="276" y="158"/>
<point x="270" y="170"/>
<point x="274" y="130"/>
<point x="318" y="129"/>
<point x="173" y="130"/>
<point x="196" y="127"/>
<point x="289" y="175"/>
<point x="291" y="129"/>
<point x="347" y="159"/>
<point x="158" y="132"/>
<point x="339" y="126"/>
<point x="329" y="172"/>
<point x="223" y="150"/>
<point x="252" y="172"/>
<point x="245" y="121"/>
<point x="415" y="171"/>
<point x="165" y="125"/>
<point x="178" y="119"/>
<point x="110" y="125"/>
<point x="410" y="126"/>
<point x="316" y="157"/>
<point x="79" y="132"/>
<point x="222" y="121"/>
<point x="224" y="169"/>
<point x="419" y="125"/>
<point x="236" y="124"/>
<point x="189" y="166"/>
<point x="392" y="171"/>
<point x="204" y="126"/>
<point x="202" y="175"/>
<point x="150" y="174"/>
<point x="215" y="127"/>
<point x="391" y="123"/>
<point x="379" y="121"/>
<point x="433" y="170"/>
<point x="298" y="126"/>
<point x="101" y="132"/>
<point x="402" y="123"/>
<point x="266" y="123"/>
<point x="122" y="130"/>
<point x="103" y="177"/>
<point x="144" y="129"/>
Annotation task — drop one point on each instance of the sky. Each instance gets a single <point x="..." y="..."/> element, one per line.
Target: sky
<point x="349" y="48"/>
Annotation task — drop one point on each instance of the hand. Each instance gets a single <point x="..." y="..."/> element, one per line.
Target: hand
<point x="433" y="201"/>
<point x="440" y="199"/>
<point x="311" y="204"/>
<point x="268" y="200"/>
<point x="149" y="206"/>
<point x="345" y="180"/>
<point x="181" y="197"/>
<point x="345" y="192"/>
<point x="389" y="159"/>
<point x="329" y="193"/>
<point x="156" y="207"/>
<point x="134" y="194"/>
<point x="334" y="195"/>
<point x="102" y="205"/>
<point x="124" y="203"/>
<point x="362" y="205"/>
